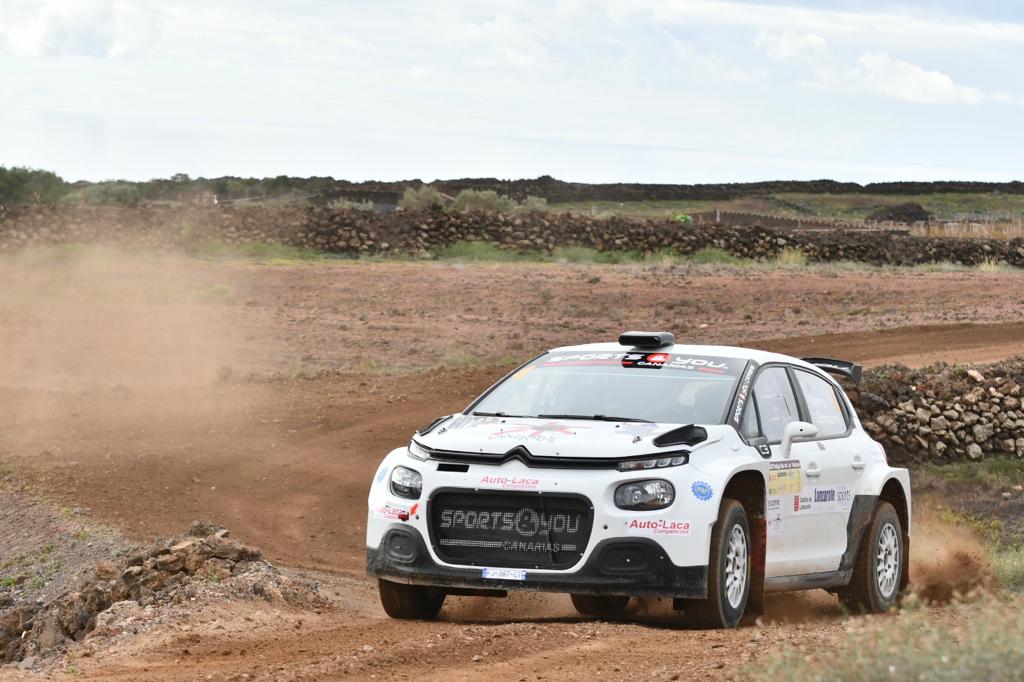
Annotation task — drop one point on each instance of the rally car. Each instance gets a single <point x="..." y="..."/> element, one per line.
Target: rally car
<point x="706" y="474"/>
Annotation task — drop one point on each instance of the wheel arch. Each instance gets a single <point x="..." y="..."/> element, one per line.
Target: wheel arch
<point x="893" y="493"/>
<point x="748" y="487"/>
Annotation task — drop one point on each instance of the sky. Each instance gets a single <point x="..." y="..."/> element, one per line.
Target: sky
<point x="675" y="91"/>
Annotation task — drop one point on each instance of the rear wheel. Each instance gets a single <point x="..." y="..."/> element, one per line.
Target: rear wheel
<point x="729" y="571"/>
<point x="409" y="601"/>
<point x="603" y="605"/>
<point x="874" y="587"/>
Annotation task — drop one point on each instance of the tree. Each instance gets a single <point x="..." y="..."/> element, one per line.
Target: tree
<point x="20" y="185"/>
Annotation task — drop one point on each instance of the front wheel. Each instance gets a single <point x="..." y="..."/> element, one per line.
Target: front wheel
<point x="414" y="602"/>
<point x="602" y="606"/>
<point x="875" y="585"/>
<point x="729" y="571"/>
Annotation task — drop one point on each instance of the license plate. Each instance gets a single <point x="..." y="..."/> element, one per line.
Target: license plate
<point x="504" y="573"/>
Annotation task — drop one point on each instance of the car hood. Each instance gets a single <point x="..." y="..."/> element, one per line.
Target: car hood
<point x="551" y="437"/>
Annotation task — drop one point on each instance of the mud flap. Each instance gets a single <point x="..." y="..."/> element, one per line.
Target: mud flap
<point x="758" y="551"/>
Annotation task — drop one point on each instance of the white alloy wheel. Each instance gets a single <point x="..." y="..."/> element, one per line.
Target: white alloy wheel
<point x="887" y="560"/>
<point x="736" y="566"/>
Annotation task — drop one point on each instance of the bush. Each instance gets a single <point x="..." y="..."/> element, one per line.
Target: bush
<point x="19" y="185"/>
<point x="683" y="218"/>
<point x="532" y="203"/>
<point x="105" y="194"/>
<point x="482" y="200"/>
<point x="422" y="198"/>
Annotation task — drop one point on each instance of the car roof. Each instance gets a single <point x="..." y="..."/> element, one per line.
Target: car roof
<point x="759" y="356"/>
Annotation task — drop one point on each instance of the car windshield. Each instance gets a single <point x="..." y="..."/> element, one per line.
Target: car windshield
<point x="649" y="386"/>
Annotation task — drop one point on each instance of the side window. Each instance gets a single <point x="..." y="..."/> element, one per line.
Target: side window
<point x="826" y="412"/>
<point x="776" y="404"/>
<point x="750" y="428"/>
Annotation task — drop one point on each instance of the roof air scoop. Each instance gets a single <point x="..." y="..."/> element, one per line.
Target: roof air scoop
<point x="647" y="339"/>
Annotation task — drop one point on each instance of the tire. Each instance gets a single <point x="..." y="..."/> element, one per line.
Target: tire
<point x="730" y="556"/>
<point x="600" y="605"/>
<point x="875" y="585"/>
<point x="411" y="602"/>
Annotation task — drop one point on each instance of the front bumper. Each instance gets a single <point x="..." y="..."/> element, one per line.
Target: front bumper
<point x="624" y="566"/>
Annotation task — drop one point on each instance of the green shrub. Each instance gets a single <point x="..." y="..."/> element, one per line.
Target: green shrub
<point x="482" y="200"/>
<point x="985" y="641"/>
<point x="19" y="185"/>
<point x="716" y="256"/>
<point x="422" y="198"/>
<point x="1008" y="566"/>
<point x="105" y="194"/>
<point x="683" y="218"/>
<point x="532" y="203"/>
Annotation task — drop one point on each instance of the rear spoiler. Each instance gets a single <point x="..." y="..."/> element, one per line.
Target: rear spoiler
<point x="847" y="369"/>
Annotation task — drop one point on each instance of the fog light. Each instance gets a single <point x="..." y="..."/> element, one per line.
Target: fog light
<point x="654" y="494"/>
<point x="406" y="483"/>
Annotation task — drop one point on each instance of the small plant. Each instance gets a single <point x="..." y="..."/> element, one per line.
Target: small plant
<point x="1008" y="566"/>
<point x="349" y="205"/>
<point x="9" y="582"/>
<point x="791" y="258"/>
<point x="482" y="200"/>
<point x="991" y="265"/>
<point x="683" y="218"/>
<point x="422" y="198"/>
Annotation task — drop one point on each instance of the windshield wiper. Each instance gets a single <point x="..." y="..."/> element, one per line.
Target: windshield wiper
<point x="496" y="414"/>
<point x="594" y="417"/>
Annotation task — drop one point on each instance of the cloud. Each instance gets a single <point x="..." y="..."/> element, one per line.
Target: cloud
<point x="78" y="28"/>
<point x="880" y="74"/>
<point x="874" y="73"/>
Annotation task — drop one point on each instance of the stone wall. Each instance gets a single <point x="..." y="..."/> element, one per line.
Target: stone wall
<point x="412" y="233"/>
<point x="945" y="413"/>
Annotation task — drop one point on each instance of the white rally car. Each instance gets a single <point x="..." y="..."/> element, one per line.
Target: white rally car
<point x="707" y="474"/>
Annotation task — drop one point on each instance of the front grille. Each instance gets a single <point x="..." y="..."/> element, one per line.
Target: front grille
<point x="515" y="530"/>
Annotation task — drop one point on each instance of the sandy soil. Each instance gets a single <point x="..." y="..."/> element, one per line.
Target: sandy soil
<point x="153" y="391"/>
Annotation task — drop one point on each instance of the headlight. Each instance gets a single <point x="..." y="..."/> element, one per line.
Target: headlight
<point x="417" y="451"/>
<point x="654" y="494"/>
<point x="669" y="459"/>
<point x="406" y="483"/>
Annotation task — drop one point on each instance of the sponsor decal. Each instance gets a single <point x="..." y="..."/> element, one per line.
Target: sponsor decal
<point x="468" y="421"/>
<point x="643" y="360"/>
<point x="504" y="573"/>
<point x="702" y="490"/>
<point x="741" y="395"/>
<point x="833" y="498"/>
<point x="511" y="482"/>
<point x="381" y="473"/>
<point x="785" y="477"/>
<point x="801" y="503"/>
<point x="392" y="513"/>
<point x="545" y="432"/>
<point x="660" y="526"/>
<point x="775" y="527"/>
<point x="527" y="522"/>
<point x="415" y="508"/>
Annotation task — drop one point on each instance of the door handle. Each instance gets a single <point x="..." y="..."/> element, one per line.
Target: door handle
<point x="858" y="462"/>
<point x="812" y="471"/>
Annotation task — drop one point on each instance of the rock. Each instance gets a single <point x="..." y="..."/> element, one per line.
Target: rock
<point x="1007" y="495"/>
<point x="976" y="375"/>
<point x="938" y="424"/>
<point x="982" y="432"/>
<point x="974" y="451"/>
<point x="27" y="663"/>
<point x="923" y="415"/>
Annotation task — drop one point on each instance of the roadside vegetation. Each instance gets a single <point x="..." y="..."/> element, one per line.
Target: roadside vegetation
<point x="984" y="642"/>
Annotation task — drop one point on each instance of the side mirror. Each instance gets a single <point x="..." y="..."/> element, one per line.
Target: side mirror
<point x="794" y="433"/>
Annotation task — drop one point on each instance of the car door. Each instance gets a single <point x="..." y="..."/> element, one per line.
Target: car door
<point x="792" y="540"/>
<point x="830" y="472"/>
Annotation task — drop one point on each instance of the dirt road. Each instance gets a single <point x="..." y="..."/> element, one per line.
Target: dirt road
<point x="156" y="391"/>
